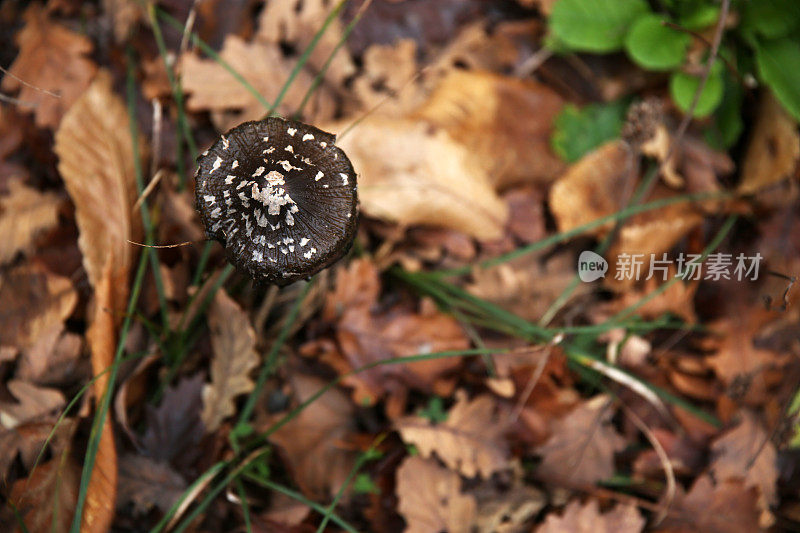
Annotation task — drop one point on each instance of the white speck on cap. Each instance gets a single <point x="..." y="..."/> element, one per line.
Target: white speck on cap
<point x="308" y="137"/>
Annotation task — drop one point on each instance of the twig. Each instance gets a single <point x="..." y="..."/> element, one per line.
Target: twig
<point x="26" y="84"/>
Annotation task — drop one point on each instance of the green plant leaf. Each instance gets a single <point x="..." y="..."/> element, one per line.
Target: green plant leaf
<point x="578" y="131"/>
<point x="682" y="88"/>
<point x="728" y="124"/>
<point x="778" y="63"/>
<point x="434" y="411"/>
<point x="363" y="484"/>
<point x="770" y="18"/>
<point x="699" y="17"/>
<point x="596" y="26"/>
<point x="654" y="46"/>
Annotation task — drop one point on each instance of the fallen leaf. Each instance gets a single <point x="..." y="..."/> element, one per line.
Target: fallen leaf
<point x="727" y="507"/>
<point x="24" y="213"/>
<point x="32" y="402"/>
<point x="469" y="441"/>
<point x="507" y="510"/>
<point x="96" y="161"/>
<point x="430" y="498"/>
<point x="774" y="147"/>
<point x="32" y="301"/>
<point x="234" y="341"/>
<point x="124" y="14"/>
<point x="212" y="88"/>
<point x="53" y="359"/>
<point x="505" y="122"/>
<point x="314" y="442"/>
<point x="296" y="24"/>
<point x="582" y="447"/>
<point x="410" y="174"/>
<point x="587" y="518"/>
<point x="389" y="80"/>
<point x="747" y="453"/>
<point x="47" y="499"/>
<point x="53" y="59"/>
<point x="148" y="483"/>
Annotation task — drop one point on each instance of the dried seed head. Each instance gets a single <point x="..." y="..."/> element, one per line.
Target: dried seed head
<point x="279" y="196"/>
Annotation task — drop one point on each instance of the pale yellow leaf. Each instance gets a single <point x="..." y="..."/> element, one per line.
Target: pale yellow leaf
<point x="233" y="340"/>
<point x="411" y="173"/>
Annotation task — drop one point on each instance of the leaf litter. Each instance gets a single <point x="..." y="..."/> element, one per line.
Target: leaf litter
<point x="427" y="382"/>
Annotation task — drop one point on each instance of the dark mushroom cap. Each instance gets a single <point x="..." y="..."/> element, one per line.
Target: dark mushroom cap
<point x="279" y="196"/>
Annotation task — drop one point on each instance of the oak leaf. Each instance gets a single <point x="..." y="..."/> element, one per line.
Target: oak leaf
<point x="469" y="441"/>
<point x="582" y="447"/>
<point x="24" y="213"/>
<point x="430" y="498"/>
<point x="33" y="402"/>
<point x="234" y="341"/>
<point x="587" y="518"/>
<point x="410" y="173"/>
<point x="47" y="499"/>
<point x="148" y="483"/>
<point x="53" y="65"/>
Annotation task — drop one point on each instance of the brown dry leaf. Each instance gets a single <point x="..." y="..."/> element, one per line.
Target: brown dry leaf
<point x="314" y="442"/>
<point x="46" y="500"/>
<point x="582" y="447"/>
<point x="123" y="15"/>
<point x="54" y="359"/>
<point x="388" y="83"/>
<point x="96" y="161"/>
<point x="296" y="23"/>
<point x="507" y="510"/>
<point x="234" y="342"/>
<point x="33" y="301"/>
<point x="430" y="498"/>
<point x="410" y="173"/>
<point x="24" y="213"/>
<point x="469" y="441"/>
<point x="212" y="88"/>
<point x="52" y="58"/>
<point x="148" y="483"/>
<point x="586" y="518"/>
<point x="774" y="148"/>
<point x="366" y="335"/>
<point x="594" y="186"/>
<point x="747" y="453"/>
<point x="33" y="402"/>
<point x="678" y="298"/>
<point x="505" y="122"/>
<point x="727" y="507"/>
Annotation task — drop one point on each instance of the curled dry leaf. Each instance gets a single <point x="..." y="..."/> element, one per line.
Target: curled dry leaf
<point x="469" y="441"/>
<point x="430" y="498"/>
<point x="314" y="442"/>
<point x="234" y="341"/>
<point x="587" y="518"/>
<point x="410" y="173"/>
<point x="33" y="302"/>
<point x="774" y="148"/>
<point x="212" y="88"/>
<point x="24" y="213"/>
<point x="505" y="122"/>
<point x="32" y="402"/>
<point x="582" y="447"/>
<point x="51" y="58"/>
<point x="46" y="500"/>
<point x="96" y="161"/>
<point x="747" y="453"/>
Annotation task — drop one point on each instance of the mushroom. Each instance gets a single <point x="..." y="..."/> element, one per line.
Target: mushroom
<point x="280" y="196"/>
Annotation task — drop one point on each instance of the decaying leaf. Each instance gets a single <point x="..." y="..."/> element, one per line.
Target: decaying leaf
<point x="587" y="518"/>
<point x="747" y="453"/>
<point x="430" y="498"/>
<point x="212" y="88"/>
<point x="314" y="442"/>
<point x="725" y="507"/>
<point x="32" y="403"/>
<point x="582" y="447"/>
<point x="506" y="122"/>
<point x="96" y="161"/>
<point x="774" y="148"/>
<point x="24" y="213"/>
<point x="469" y="441"/>
<point x="46" y="500"/>
<point x="52" y="58"/>
<point x="234" y="341"/>
<point x="148" y="483"/>
<point x="388" y="82"/>
<point x="410" y="174"/>
<point x="32" y="301"/>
